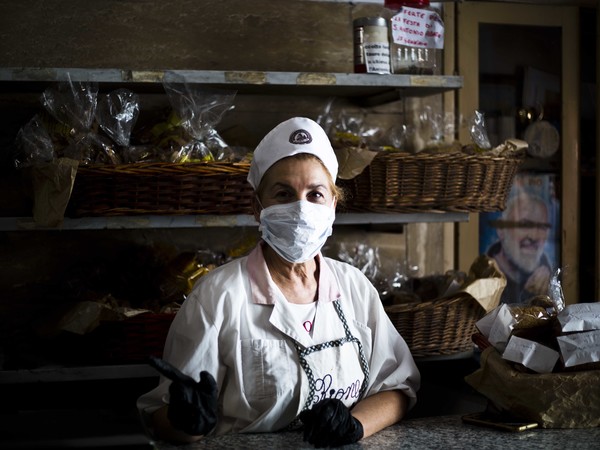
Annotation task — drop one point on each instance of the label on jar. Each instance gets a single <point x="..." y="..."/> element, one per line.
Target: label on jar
<point x="414" y="27"/>
<point x="377" y="57"/>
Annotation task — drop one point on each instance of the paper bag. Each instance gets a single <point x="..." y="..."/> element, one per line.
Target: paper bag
<point x="485" y="282"/>
<point x="52" y="186"/>
<point x="554" y="400"/>
<point x="352" y="161"/>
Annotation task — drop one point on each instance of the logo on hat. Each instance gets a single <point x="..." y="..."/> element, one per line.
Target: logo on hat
<point x="300" y="137"/>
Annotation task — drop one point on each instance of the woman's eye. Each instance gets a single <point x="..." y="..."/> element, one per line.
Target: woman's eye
<point x="282" y="195"/>
<point x="316" y="196"/>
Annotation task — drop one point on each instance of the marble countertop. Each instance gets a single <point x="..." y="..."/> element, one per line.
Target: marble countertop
<point x="437" y="432"/>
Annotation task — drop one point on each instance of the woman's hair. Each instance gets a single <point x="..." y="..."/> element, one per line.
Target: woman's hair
<point x="337" y="191"/>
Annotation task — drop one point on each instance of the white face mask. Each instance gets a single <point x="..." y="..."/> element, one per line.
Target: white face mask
<point x="298" y="230"/>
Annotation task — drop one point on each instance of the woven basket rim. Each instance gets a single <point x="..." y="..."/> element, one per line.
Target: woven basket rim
<point x="429" y="304"/>
<point x="165" y="164"/>
<point x="161" y="188"/>
<point x="166" y="168"/>
<point x="398" y="181"/>
<point x="454" y="155"/>
<point x="430" y="328"/>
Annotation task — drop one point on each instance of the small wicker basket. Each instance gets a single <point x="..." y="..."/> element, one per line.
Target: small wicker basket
<point x="402" y="182"/>
<point x="437" y="327"/>
<point x="161" y="189"/>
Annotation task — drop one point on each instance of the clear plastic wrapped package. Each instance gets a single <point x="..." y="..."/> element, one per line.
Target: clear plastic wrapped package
<point x="34" y="144"/>
<point x="117" y="113"/>
<point x="73" y="105"/>
<point x="199" y="110"/>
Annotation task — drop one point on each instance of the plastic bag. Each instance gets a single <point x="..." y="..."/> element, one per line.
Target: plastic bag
<point x="34" y="144"/>
<point x="91" y="148"/>
<point x="363" y="257"/>
<point x="526" y="321"/>
<point x="74" y="104"/>
<point x="326" y="119"/>
<point x="477" y="129"/>
<point x="350" y="128"/>
<point x="433" y="125"/>
<point x="199" y="110"/>
<point x="367" y="260"/>
<point x="555" y="291"/>
<point x="117" y="113"/>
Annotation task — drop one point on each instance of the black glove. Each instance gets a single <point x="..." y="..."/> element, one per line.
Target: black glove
<point x="330" y="424"/>
<point x="193" y="404"/>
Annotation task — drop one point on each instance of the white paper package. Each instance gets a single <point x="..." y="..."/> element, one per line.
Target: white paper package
<point x="534" y="356"/>
<point x="580" y="317"/>
<point x="580" y="348"/>
<point x="496" y="326"/>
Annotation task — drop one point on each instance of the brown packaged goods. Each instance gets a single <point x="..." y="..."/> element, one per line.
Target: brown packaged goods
<point x="554" y="400"/>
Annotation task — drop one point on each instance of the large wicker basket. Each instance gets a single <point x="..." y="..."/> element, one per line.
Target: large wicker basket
<point x="161" y="189"/>
<point x="132" y="340"/>
<point x="437" y="327"/>
<point x="458" y="182"/>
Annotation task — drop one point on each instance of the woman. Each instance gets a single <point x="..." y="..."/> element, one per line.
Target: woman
<point x="284" y="337"/>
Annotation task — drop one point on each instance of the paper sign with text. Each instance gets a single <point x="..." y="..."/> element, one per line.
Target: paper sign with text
<point x="416" y="27"/>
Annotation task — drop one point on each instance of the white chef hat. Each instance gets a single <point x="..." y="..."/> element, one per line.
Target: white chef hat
<point x="295" y="135"/>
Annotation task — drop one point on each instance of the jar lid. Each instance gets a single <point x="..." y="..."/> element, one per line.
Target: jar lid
<point x="370" y="21"/>
<point x="394" y="4"/>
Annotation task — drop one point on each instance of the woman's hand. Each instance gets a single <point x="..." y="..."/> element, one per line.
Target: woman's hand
<point x="193" y="404"/>
<point x="330" y="424"/>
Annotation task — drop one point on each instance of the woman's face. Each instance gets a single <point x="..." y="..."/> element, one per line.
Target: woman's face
<point x="292" y="179"/>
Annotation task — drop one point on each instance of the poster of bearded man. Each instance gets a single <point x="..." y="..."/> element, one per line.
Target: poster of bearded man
<point x="524" y="238"/>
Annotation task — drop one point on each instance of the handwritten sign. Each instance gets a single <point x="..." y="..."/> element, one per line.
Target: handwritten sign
<point x="416" y="27"/>
<point x="377" y="57"/>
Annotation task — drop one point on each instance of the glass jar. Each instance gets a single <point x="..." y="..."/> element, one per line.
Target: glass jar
<point x="417" y="37"/>
<point x="371" y="45"/>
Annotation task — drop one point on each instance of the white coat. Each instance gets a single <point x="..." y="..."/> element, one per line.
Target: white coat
<point x="248" y="347"/>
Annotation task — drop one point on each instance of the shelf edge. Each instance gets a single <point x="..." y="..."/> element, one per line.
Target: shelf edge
<point x="201" y="221"/>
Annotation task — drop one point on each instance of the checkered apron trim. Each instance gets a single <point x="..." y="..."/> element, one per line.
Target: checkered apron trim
<point x="303" y="352"/>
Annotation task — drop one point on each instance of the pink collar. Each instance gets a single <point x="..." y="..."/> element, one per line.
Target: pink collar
<point x="264" y="290"/>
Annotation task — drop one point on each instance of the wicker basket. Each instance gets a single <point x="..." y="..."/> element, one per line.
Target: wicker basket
<point x="437" y="327"/>
<point x="457" y="182"/>
<point x="161" y="189"/>
<point x="132" y="340"/>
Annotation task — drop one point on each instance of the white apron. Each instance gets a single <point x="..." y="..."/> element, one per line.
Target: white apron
<point x="333" y="361"/>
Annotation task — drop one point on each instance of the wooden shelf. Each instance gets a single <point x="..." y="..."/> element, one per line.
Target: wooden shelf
<point x="199" y="221"/>
<point x="89" y="373"/>
<point x="369" y="89"/>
